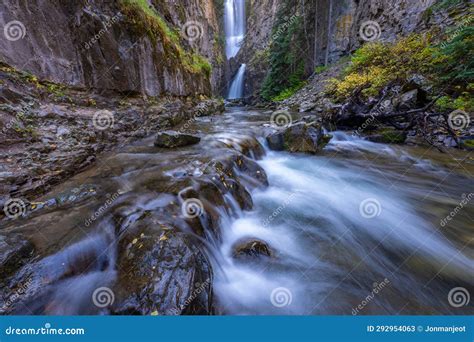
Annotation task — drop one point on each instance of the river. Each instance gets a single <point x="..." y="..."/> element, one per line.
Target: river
<point x="355" y="230"/>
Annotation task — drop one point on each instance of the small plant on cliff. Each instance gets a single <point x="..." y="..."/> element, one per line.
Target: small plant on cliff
<point x="144" y="20"/>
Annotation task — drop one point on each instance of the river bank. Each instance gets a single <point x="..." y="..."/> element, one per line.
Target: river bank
<point x="51" y="132"/>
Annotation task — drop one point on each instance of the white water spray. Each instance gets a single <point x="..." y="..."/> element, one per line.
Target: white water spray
<point x="236" y="90"/>
<point x="235" y="33"/>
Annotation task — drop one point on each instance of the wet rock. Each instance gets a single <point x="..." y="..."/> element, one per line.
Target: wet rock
<point x="209" y="107"/>
<point x="420" y="82"/>
<point x="450" y="142"/>
<point x="300" y="137"/>
<point x="63" y="131"/>
<point x="163" y="272"/>
<point x="276" y="141"/>
<point x="173" y="139"/>
<point x="14" y="249"/>
<point x="251" y="248"/>
<point x="7" y="177"/>
<point x="408" y="100"/>
<point x="50" y="111"/>
<point x="8" y="95"/>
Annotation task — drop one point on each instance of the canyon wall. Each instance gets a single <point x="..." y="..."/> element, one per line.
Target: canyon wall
<point x="331" y="29"/>
<point x="130" y="47"/>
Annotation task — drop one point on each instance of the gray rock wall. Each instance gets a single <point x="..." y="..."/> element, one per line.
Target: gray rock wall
<point x="59" y="44"/>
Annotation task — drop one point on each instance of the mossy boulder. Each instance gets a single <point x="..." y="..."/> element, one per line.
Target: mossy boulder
<point x="388" y="137"/>
<point x="173" y="139"/>
<point x="300" y="137"/>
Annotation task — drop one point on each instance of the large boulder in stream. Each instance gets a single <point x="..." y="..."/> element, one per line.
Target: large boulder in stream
<point x="173" y="139"/>
<point x="299" y="137"/>
<point x="163" y="272"/>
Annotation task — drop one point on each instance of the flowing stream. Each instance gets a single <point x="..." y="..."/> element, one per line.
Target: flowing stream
<point x="354" y="230"/>
<point x="357" y="225"/>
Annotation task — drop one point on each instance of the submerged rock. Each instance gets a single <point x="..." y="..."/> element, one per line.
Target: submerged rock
<point x="172" y="139"/>
<point x="251" y="248"/>
<point x="300" y="137"/>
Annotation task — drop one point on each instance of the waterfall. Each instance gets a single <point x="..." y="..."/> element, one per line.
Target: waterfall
<point x="236" y="90"/>
<point x="234" y="18"/>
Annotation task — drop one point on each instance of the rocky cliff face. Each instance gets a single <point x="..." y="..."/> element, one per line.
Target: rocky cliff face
<point x="130" y="47"/>
<point x="332" y="29"/>
<point x="260" y="21"/>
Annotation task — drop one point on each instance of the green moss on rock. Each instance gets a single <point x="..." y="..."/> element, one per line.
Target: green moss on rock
<point x="144" y="20"/>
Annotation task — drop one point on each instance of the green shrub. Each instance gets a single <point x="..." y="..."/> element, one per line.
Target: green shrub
<point x="320" y="69"/>
<point x="375" y="65"/>
<point x="445" y="4"/>
<point x="289" y="92"/>
<point x="286" y="65"/>
<point x="458" y="54"/>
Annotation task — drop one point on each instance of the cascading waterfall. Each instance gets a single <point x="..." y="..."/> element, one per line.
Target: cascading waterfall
<point x="236" y="90"/>
<point x="235" y="33"/>
<point x="234" y="26"/>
